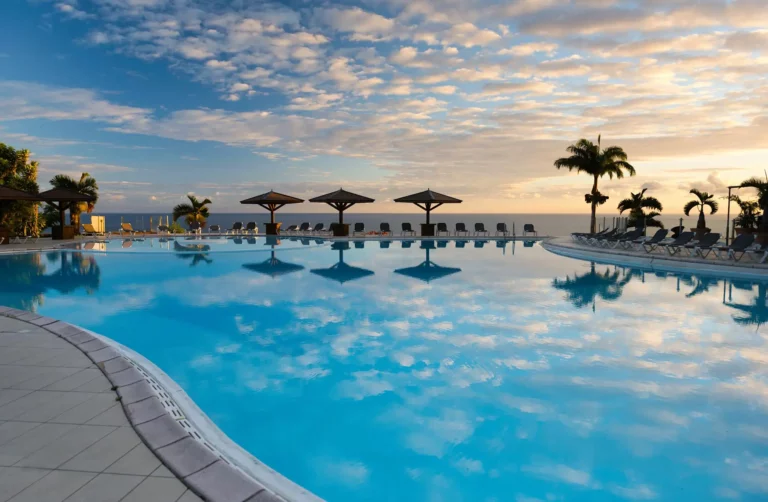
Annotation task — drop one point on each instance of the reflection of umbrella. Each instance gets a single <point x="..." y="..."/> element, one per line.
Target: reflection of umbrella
<point x="427" y="271"/>
<point x="341" y="272"/>
<point x="273" y="267"/>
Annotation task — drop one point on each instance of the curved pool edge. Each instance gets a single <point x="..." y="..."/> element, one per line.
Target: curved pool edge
<point x="162" y="414"/>
<point x="563" y="246"/>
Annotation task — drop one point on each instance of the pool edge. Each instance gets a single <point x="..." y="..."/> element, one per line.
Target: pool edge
<point x="146" y="391"/>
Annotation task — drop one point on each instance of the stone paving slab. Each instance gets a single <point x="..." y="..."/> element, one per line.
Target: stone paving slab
<point x="64" y="395"/>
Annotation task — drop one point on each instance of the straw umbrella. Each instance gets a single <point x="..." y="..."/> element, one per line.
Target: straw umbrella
<point x="272" y="201"/>
<point x="61" y="199"/>
<point x="341" y="200"/>
<point x="428" y="201"/>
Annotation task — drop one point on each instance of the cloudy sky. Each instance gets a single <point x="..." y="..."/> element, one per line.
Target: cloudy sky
<point x="228" y="99"/>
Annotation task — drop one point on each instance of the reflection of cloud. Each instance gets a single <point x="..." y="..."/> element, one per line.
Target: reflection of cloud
<point x="469" y="466"/>
<point x="559" y="473"/>
<point x="364" y="384"/>
<point x="344" y="472"/>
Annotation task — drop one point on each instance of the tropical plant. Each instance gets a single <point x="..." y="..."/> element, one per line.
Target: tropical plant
<point x="17" y="172"/>
<point x="175" y="228"/>
<point x="703" y="200"/>
<point x="195" y="211"/>
<point x="86" y="185"/>
<point x="589" y="158"/>
<point x="748" y="215"/>
<point x="762" y="197"/>
<point x="636" y="204"/>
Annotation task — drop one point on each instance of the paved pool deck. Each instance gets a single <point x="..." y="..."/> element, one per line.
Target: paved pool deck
<point x="63" y="433"/>
<point x="80" y="422"/>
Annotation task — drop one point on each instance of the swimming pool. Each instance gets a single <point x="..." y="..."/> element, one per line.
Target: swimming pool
<point x="439" y="370"/>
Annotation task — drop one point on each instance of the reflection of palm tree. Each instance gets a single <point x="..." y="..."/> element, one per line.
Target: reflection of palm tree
<point x="700" y="284"/>
<point x="25" y="279"/>
<point x="583" y="290"/>
<point x="196" y="252"/>
<point x="755" y="313"/>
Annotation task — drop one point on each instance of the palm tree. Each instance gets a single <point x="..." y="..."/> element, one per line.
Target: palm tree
<point x="587" y="157"/>
<point x="86" y="186"/>
<point x="703" y="199"/>
<point x="762" y="198"/>
<point x="195" y="211"/>
<point x="636" y="204"/>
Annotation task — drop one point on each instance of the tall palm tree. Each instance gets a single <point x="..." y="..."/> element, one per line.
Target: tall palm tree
<point x="762" y="198"/>
<point x="87" y="186"/>
<point x="587" y="157"/>
<point x="195" y="211"/>
<point x="703" y="200"/>
<point x="636" y="204"/>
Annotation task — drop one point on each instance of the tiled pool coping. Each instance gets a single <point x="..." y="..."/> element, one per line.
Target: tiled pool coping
<point x="171" y="425"/>
<point x="745" y="269"/>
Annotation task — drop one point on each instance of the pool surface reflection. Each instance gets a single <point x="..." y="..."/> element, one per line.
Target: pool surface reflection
<point x="442" y="370"/>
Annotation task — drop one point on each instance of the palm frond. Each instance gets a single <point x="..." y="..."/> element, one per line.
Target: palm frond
<point x="689" y="206"/>
<point x="652" y="203"/>
<point x="713" y="205"/>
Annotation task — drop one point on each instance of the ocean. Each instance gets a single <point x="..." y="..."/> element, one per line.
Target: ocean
<point x="545" y="224"/>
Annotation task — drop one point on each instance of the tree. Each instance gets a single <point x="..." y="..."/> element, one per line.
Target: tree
<point x="589" y="158"/>
<point x="195" y="211"/>
<point x="636" y="204"/>
<point x="703" y="200"/>
<point x="748" y="214"/>
<point x="17" y="172"/>
<point x="762" y="198"/>
<point x="87" y="186"/>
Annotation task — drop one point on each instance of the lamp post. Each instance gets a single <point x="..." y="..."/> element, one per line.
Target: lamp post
<point x="728" y="216"/>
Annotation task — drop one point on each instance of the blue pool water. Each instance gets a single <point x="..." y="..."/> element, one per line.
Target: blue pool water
<point x="493" y="373"/>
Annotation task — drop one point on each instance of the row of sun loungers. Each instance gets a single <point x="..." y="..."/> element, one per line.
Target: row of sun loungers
<point x="407" y="229"/>
<point x="685" y="242"/>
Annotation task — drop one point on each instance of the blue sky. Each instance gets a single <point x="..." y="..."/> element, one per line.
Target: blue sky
<point x="160" y="98"/>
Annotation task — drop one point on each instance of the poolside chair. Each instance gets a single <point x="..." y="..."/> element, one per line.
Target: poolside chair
<point x="651" y="244"/>
<point x="529" y="229"/>
<point x="237" y="227"/>
<point x="739" y="245"/>
<point x="127" y="228"/>
<point x="88" y="229"/>
<point x="359" y="229"/>
<point x="608" y="238"/>
<point x="195" y="228"/>
<point x="676" y="231"/>
<point x="252" y="228"/>
<point x="480" y="229"/>
<point x="596" y="239"/>
<point x="461" y="228"/>
<point x="406" y="228"/>
<point x="674" y="247"/>
<point x="703" y="246"/>
<point x="582" y="236"/>
<point x="20" y="239"/>
<point x="628" y="237"/>
<point x="319" y="228"/>
<point x="442" y="228"/>
<point x="291" y="229"/>
<point x="213" y="229"/>
<point x="304" y="227"/>
<point x="757" y="252"/>
<point x="384" y="229"/>
<point x="501" y="228"/>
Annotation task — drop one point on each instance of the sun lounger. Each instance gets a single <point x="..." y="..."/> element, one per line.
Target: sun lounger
<point x="651" y="244"/>
<point x="88" y="229"/>
<point x="195" y="228"/>
<point x="304" y="227"/>
<point x="627" y="238"/>
<point x="480" y="229"/>
<point x="291" y="229"/>
<point x="359" y="229"/>
<point x="442" y="228"/>
<point x="529" y="229"/>
<point x="127" y="228"/>
<point x="674" y="247"/>
<point x="406" y="229"/>
<point x="461" y="228"/>
<point x="501" y="228"/>
<point x="237" y="227"/>
<point x="676" y="231"/>
<point x="761" y="250"/>
<point x="319" y="228"/>
<point x="20" y="239"/>
<point x="384" y="229"/>
<point x="703" y="246"/>
<point x="251" y="227"/>
<point x="213" y="229"/>
<point x="582" y="236"/>
<point x="739" y="245"/>
<point x="598" y="239"/>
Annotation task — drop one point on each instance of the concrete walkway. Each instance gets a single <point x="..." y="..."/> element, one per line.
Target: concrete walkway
<point x="63" y="434"/>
